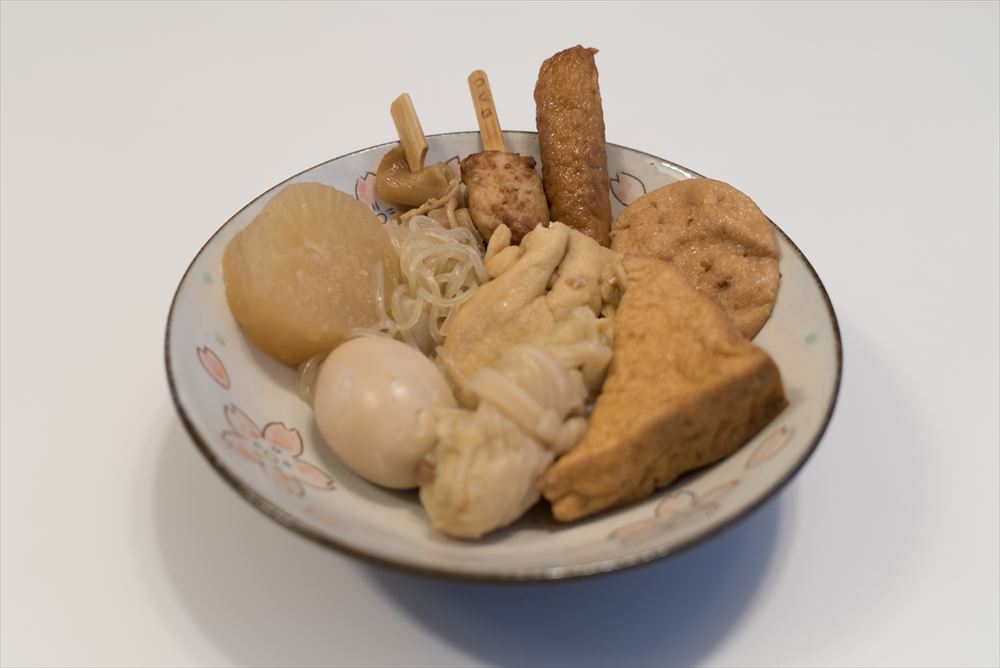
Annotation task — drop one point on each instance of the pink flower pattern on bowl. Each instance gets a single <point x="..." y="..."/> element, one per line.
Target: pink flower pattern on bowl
<point x="276" y="449"/>
<point x="770" y="446"/>
<point x="275" y="466"/>
<point x="364" y="191"/>
<point x="324" y="518"/>
<point x="455" y="165"/>
<point x="213" y="365"/>
<point x="627" y="188"/>
<point x="676" y="509"/>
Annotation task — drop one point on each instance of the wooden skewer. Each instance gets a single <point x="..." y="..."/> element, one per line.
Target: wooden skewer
<point x="486" y="112"/>
<point x="411" y="135"/>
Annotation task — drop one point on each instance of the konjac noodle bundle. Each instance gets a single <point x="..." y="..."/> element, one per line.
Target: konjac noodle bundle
<point x="440" y="268"/>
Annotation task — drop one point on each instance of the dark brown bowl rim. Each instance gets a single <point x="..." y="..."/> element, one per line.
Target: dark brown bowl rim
<point x="544" y="574"/>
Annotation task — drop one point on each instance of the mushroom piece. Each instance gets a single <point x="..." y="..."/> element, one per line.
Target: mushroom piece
<point x="394" y="182"/>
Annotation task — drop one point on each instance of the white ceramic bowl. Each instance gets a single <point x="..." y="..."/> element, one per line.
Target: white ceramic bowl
<point x="243" y="413"/>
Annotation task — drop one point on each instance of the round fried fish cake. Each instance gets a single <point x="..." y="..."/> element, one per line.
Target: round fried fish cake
<point x="718" y="239"/>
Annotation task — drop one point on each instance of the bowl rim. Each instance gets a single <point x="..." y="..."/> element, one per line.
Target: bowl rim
<point x="523" y="575"/>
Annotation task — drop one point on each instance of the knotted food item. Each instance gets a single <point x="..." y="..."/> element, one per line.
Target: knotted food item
<point x="484" y="471"/>
<point x="526" y="354"/>
<point x="558" y="290"/>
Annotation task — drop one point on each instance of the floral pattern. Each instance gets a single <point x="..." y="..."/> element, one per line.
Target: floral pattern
<point x="213" y="365"/>
<point x="677" y="509"/>
<point x="684" y="506"/>
<point x="627" y="188"/>
<point x="276" y="449"/>
<point x="245" y="451"/>
<point x="324" y="518"/>
<point x="455" y="165"/>
<point x="770" y="445"/>
<point x="364" y="191"/>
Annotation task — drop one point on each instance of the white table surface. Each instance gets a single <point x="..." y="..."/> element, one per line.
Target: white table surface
<point x="130" y="132"/>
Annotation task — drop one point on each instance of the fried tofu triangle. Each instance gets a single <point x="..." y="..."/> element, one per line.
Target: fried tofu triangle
<point x="685" y="389"/>
<point x="570" y="122"/>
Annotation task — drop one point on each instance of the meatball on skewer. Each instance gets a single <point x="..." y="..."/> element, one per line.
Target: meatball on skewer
<point x="501" y="187"/>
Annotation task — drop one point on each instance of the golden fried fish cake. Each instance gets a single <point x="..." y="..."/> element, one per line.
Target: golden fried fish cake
<point x="570" y="122"/>
<point x="716" y="237"/>
<point x="685" y="389"/>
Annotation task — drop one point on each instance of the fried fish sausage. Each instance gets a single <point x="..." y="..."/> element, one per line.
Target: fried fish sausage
<point x="504" y="188"/>
<point x="570" y="123"/>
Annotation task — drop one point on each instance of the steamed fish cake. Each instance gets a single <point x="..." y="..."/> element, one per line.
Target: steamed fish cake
<point x="304" y="272"/>
<point x="716" y="237"/>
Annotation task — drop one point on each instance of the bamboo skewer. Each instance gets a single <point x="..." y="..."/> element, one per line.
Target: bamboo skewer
<point x="411" y="135"/>
<point x="486" y="112"/>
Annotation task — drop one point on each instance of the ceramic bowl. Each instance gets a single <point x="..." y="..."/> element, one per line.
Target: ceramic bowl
<point x="243" y="413"/>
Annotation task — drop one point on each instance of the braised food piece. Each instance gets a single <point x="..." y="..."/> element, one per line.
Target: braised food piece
<point x="716" y="237"/>
<point x="503" y="188"/>
<point x="303" y="273"/>
<point x="504" y="311"/>
<point x="394" y="182"/>
<point x="570" y="123"/>
<point x="483" y="473"/>
<point x="684" y="390"/>
<point x="552" y="294"/>
<point x="524" y="355"/>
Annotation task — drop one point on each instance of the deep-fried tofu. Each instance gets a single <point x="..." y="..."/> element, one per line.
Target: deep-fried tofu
<point x="684" y="390"/>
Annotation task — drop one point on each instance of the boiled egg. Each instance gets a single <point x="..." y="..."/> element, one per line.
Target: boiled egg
<point x="375" y="402"/>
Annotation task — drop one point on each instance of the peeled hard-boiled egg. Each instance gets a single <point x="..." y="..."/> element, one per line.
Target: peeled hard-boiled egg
<point x="375" y="400"/>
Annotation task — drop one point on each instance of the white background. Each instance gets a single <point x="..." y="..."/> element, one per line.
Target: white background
<point x="130" y="132"/>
